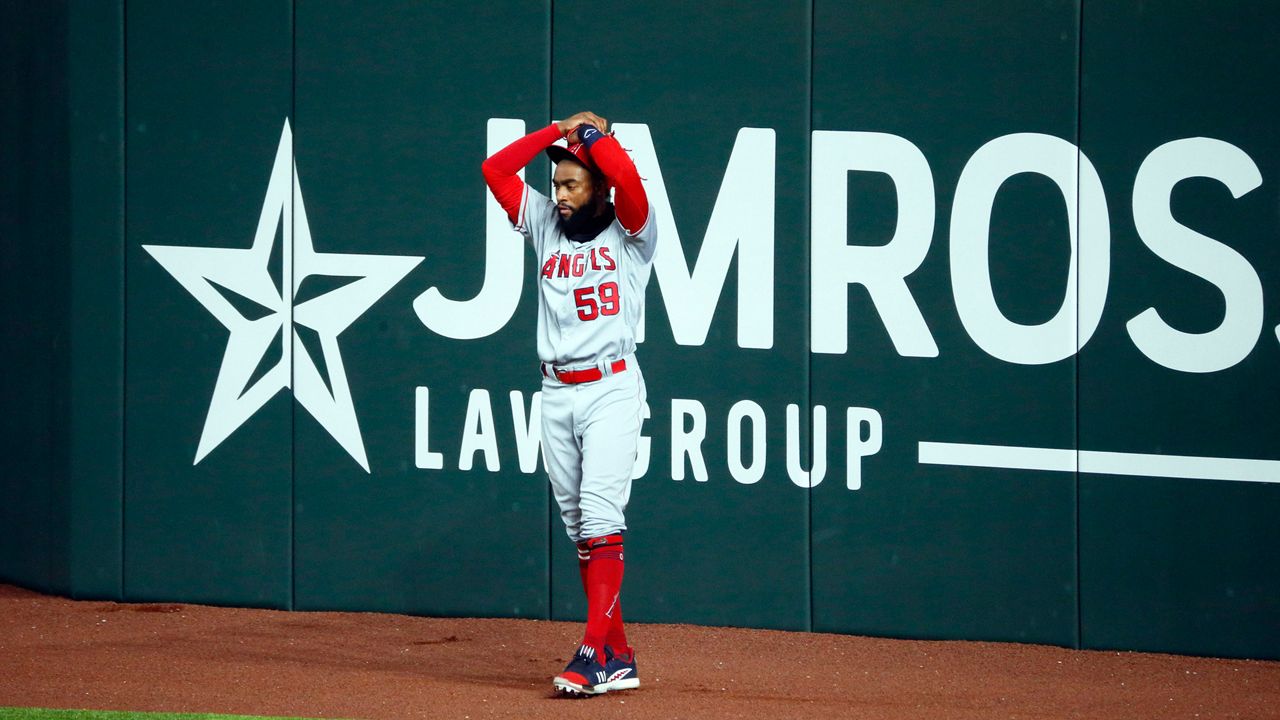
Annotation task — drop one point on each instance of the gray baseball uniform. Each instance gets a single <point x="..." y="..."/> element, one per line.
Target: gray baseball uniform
<point x="590" y="298"/>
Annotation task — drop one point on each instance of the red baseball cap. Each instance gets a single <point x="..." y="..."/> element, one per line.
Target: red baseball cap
<point x="576" y="152"/>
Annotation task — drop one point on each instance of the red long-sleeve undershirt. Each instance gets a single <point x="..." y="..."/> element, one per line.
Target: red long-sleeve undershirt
<point x="630" y="201"/>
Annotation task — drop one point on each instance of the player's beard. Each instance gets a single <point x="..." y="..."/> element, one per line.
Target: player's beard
<point x="584" y="225"/>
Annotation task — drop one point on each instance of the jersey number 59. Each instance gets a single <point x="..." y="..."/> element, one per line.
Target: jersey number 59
<point x="588" y="309"/>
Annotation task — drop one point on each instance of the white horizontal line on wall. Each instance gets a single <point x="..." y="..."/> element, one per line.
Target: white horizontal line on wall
<point x="1101" y="463"/>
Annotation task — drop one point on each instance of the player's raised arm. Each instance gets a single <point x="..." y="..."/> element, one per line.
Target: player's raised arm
<point x="502" y="168"/>
<point x="630" y="200"/>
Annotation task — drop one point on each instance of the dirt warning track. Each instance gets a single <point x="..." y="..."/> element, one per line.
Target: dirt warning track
<point x="62" y="653"/>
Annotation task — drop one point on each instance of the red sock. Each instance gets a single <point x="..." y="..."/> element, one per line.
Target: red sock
<point x="604" y="582"/>
<point x="616" y="638"/>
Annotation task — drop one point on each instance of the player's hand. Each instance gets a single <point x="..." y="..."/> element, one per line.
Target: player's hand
<point x="569" y="126"/>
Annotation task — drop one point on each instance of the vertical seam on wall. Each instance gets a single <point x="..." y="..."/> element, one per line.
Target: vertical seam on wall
<point x="124" y="291"/>
<point x="1080" y="253"/>
<point x="286" y="289"/>
<point x="808" y="309"/>
<point x="551" y="516"/>
<point x="58" y="370"/>
<point x="50" y="583"/>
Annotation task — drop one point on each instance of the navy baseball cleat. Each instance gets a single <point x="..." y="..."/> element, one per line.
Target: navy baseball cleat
<point x="620" y="671"/>
<point x="584" y="674"/>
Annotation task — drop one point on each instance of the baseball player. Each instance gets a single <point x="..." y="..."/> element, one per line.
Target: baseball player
<point x="594" y="259"/>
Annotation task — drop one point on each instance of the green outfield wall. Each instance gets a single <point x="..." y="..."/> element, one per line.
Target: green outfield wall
<point x="963" y="323"/>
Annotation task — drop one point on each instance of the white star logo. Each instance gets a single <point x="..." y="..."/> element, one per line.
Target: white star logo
<point x="214" y="276"/>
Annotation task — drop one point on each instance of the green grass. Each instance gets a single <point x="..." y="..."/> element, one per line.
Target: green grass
<point x="43" y="714"/>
